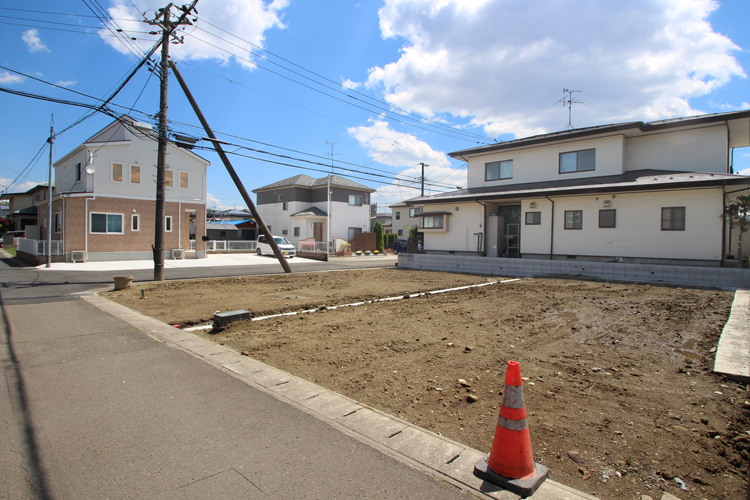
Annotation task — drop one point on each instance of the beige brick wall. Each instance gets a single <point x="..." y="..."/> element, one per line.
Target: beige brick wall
<point x="75" y="224"/>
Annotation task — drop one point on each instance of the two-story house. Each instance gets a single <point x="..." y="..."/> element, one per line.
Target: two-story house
<point x="631" y="192"/>
<point x="22" y="210"/>
<point x="403" y="216"/>
<point x="297" y="207"/>
<point x="105" y="192"/>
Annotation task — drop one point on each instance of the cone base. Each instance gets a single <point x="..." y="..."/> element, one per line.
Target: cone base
<point x="521" y="487"/>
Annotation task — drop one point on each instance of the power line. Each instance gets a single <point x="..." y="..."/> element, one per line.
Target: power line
<point x="390" y="106"/>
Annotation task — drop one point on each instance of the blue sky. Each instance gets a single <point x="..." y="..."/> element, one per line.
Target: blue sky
<point x="434" y="76"/>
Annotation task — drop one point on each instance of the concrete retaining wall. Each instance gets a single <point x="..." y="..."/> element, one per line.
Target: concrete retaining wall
<point x="728" y="279"/>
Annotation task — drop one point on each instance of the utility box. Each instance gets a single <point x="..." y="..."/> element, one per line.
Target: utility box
<point x="221" y="320"/>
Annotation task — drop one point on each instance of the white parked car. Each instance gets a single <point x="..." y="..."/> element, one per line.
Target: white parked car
<point x="264" y="248"/>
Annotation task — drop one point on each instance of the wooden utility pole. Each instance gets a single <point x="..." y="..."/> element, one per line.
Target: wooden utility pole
<point x="423" y="166"/>
<point x="164" y="21"/>
<point x="237" y="182"/>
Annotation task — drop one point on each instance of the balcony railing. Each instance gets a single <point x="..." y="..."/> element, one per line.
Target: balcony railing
<point x="39" y="247"/>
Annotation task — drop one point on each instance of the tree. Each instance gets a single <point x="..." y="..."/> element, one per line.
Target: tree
<point x="739" y="210"/>
<point x="379" y="246"/>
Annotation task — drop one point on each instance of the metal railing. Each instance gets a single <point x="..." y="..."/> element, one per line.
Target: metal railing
<point x="227" y="245"/>
<point x="39" y="247"/>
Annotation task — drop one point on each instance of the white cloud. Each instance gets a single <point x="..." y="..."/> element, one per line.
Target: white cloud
<point x="5" y="184"/>
<point x="8" y="78"/>
<point x="744" y="172"/>
<point x="393" y="148"/>
<point x="66" y="83"/>
<point x="503" y="64"/>
<point x="348" y="84"/>
<point x="404" y="152"/>
<point x="213" y="202"/>
<point x="248" y="19"/>
<point x="33" y="42"/>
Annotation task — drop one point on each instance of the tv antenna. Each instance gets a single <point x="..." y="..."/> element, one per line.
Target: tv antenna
<point x="569" y="100"/>
<point x="331" y="153"/>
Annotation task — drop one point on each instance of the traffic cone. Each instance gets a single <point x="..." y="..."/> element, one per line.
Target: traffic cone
<point x="510" y="462"/>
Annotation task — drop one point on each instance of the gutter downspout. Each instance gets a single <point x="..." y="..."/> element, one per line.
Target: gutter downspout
<point x="724" y="226"/>
<point x="482" y="242"/>
<point x="86" y="221"/>
<point x="551" y="228"/>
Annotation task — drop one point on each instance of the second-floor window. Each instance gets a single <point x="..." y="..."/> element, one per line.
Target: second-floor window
<point x="168" y="178"/>
<point x="497" y="170"/>
<point x="398" y="215"/>
<point x="414" y="212"/>
<point x="135" y="174"/>
<point x="355" y="199"/>
<point x="578" y="161"/>
<point x="79" y="171"/>
<point x="183" y="180"/>
<point x="117" y="172"/>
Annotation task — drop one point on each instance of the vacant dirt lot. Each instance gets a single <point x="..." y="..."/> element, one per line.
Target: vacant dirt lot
<point x="620" y="395"/>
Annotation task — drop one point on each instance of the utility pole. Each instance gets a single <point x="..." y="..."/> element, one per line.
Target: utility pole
<point x="164" y="21"/>
<point x="237" y="182"/>
<point x="423" y="166"/>
<point x="49" y="197"/>
<point x="328" y="211"/>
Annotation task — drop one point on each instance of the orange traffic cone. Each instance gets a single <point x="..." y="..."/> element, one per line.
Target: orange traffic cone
<point x="510" y="462"/>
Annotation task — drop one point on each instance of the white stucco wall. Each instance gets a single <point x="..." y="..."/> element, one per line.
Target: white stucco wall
<point x="343" y="216"/>
<point x="638" y="226"/>
<point x="462" y="225"/>
<point x="542" y="163"/>
<point x="696" y="150"/>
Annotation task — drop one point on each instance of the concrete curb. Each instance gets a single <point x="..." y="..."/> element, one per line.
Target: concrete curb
<point x="436" y="455"/>
<point x="733" y="352"/>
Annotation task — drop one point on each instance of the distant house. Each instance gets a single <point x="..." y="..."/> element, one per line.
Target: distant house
<point x="638" y="192"/>
<point x="104" y="203"/>
<point x="297" y="207"/>
<point x="234" y="214"/>
<point x="383" y="217"/>
<point x="403" y="216"/>
<point x="22" y="210"/>
<point x="221" y="231"/>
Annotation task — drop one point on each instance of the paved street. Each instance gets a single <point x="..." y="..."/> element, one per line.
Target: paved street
<point x="97" y="409"/>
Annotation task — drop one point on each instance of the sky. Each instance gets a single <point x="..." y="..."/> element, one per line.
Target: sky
<point x="376" y="86"/>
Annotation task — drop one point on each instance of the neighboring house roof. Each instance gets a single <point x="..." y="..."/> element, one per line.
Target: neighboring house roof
<point x="235" y="213"/>
<point x="221" y="226"/>
<point x="238" y="222"/>
<point x="303" y="180"/>
<point x="310" y="212"/>
<point x="635" y="180"/>
<point x="636" y="127"/>
<point x="27" y="211"/>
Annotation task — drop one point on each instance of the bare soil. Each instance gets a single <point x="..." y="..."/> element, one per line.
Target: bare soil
<point x="619" y="391"/>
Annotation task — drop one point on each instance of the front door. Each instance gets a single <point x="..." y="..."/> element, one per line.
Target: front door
<point x="318" y="231"/>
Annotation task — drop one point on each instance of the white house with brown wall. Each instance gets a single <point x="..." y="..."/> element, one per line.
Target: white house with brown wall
<point x="632" y="192"/>
<point x="105" y="191"/>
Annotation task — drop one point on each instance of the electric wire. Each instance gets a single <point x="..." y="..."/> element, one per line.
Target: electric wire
<point x="390" y="106"/>
<point x="33" y="161"/>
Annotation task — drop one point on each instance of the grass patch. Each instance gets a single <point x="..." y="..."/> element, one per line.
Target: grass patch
<point x="10" y="251"/>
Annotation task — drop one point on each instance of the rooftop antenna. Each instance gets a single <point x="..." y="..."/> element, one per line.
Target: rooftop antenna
<point x="569" y="100"/>
<point x="331" y="153"/>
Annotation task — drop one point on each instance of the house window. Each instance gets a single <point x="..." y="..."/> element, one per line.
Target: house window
<point x="37" y="198"/>
<point x="607" y="218"/>
<point x="355" y="200"/>
<point x="79" y="171"/>
<point x="285" y="206"/>
<point x="432" y="222"/>
<point x="497" y="170"/>
<point x="65" y="177"/>
<point x="400" y="232"/>
<point x="296" y="231"/>
<point x="135" y="222"/>
<point x="168" y="223"/>
<point x="269" y="229"/>
<point x="168" y="177"/>
<point x="58" y="222"/>
<point x="414" y="212"/>
<point x="135" y="174"/>
<point x="222" y="234"/>
<point x="533" y="218"/>
<point x="117" y="172"/>
<point x="673" y="219"/>
<point x="183" y="180"/>
<point x="354" y="231"/>
<point x="284" y="232"/>
<point x="281" y="197"/>
<point x="106" y="223"/>
<point x="398" y="215"/>
<point x="577" y="161"/>
<point x="574" y="219"/>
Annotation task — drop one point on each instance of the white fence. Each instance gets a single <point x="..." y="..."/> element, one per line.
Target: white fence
<point x="39" y="247"/>
<point x="249" y="246"/>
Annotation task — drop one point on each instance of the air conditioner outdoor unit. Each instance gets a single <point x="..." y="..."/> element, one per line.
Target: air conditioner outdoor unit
<point x="178" y="253"/>
<point x="78" y="256"/>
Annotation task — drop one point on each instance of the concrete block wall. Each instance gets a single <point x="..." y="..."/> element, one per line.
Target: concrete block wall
<point x="729" y="279"/>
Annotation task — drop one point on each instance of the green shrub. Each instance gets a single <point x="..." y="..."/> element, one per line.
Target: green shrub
<point x="379" y="237"/>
